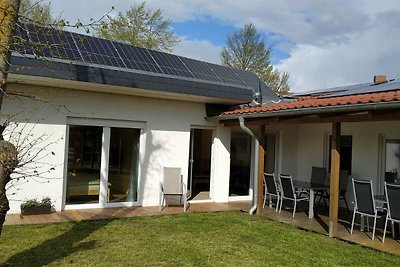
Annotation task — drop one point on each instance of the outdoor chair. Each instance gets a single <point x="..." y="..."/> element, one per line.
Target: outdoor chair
<point x="364" y="202"/>
<point x="288" y="192"/>
<point x="318" y="176"/>
<point x="392" y="192"/>
<point x="172" y="185"/>
<point x="271" y="189"/>
<point x="343" y="180"/>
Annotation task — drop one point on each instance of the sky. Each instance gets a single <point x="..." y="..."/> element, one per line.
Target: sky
<point x="321" y="44"/>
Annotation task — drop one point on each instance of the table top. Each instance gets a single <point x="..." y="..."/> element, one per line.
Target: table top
<point x="308" y="185"/>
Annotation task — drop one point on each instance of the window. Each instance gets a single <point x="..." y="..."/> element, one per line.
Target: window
<point x="346" y="147"/>
<point x="392" y="160"/>
<point x="88" y="146"/>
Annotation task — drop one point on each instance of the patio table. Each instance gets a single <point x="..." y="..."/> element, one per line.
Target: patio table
<point x="311" y="187"/>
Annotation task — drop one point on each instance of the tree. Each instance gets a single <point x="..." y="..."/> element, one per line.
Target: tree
<point x="139" y="26"/>
<point x="8" y="17"/>
<point x="37" y="11"/>
<point x="245" y="49"/>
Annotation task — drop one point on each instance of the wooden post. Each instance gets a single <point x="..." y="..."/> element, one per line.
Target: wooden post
<point x="334" y="182"/>
<point x="261" y="153"/>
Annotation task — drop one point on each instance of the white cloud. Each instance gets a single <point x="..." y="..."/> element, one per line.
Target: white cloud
<point x="198" y="49"/>
<point x="355" y="60"/>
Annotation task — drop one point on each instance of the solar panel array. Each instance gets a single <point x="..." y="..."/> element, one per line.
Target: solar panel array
<point x="51" y="43"/>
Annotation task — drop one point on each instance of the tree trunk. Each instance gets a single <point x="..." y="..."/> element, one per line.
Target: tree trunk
<point x="8" y="20"/>
<point x="8" y="163"/>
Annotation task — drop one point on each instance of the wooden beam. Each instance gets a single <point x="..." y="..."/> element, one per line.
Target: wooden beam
<point x="261" y="162"/>
<point x="334" y="180"/>
<point x="320" y="118"/>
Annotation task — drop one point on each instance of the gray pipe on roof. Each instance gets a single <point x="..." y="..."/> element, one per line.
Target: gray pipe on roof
<point x="255" y="184"/>
<point x="318" y="110"/>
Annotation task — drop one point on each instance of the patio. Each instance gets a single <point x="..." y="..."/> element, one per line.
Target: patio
<point x="320" y="224"/>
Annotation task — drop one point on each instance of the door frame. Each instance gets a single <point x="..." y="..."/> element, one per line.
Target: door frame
<point x="106" y="125"/>
<point x="212" y="160"/>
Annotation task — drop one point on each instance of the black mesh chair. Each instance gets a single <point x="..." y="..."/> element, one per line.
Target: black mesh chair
<point x="343" y="180"/>
<point x="289" y="193"/>
<point x="318" y="176"/>
<point x="271" y="189"/>
<point x="392" y="192"/>
<point x="364" y="202"/>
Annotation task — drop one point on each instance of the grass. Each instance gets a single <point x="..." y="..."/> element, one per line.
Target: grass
<point x="194" y="239"/>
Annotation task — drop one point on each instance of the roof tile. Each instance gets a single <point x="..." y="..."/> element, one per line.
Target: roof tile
<point x="309" y="102"/>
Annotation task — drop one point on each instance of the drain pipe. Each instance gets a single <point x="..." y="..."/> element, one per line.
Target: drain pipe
<point x="255" y="184"/>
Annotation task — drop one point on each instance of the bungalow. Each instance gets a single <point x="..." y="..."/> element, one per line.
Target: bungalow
<point x="107" y="117"/>
<point x="117" y="114"/>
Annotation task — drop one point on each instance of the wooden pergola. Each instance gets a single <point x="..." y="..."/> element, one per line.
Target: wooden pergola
<point x="261" y="120"/>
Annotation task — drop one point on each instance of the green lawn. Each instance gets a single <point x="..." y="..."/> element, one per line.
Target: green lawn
<point x="193" y="239"/>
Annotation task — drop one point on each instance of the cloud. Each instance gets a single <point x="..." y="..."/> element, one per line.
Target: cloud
<point x="354" y="60"/>
<point x="198" y="49"/>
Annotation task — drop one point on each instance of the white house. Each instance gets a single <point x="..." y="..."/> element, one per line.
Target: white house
<point x="114" y="115"/>
<point x="111" y="116"/>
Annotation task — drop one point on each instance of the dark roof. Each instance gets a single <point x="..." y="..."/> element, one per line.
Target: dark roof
<point x="356" y="89"/>
<point x="91" y="59"/>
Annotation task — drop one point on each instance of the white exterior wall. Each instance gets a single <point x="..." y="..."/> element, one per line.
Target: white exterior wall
<point x="166" y="137"/>
<point x="306" y="145"/>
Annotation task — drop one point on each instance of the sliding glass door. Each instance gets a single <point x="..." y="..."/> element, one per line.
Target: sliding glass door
<point x="102" y="165"/>
<point x="123" y="165"/>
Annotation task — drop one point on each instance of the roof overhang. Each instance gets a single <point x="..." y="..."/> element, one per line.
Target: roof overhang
<point x="342" y="113"/>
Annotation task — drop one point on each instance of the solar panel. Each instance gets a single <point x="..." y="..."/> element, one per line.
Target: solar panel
<point x="200" y="69"/>
<point x="226" y="74"/>
<point x="170" y="64"/>
<point x="52" y="43"/>
<point x="21" y="41"/>
<point x="249" y="78"/>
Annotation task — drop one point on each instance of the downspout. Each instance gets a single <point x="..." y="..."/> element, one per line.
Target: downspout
<point x="255" y="183"/>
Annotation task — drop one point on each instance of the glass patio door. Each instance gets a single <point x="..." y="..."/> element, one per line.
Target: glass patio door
<point x="102" y="165"/>
<point x="123" y="165"/>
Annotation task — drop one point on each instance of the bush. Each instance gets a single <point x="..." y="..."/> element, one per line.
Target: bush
<point x="29" y="203"/>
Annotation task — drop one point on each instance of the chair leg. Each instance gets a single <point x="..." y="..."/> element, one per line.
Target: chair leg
<point x="384" y="230"/>
<point x="280" y="207"/>
<point x="184" y="203"/>
<point x="352" y="222"/>
<point x="393" y="230"/>
<point x="367" y="223"/>
<point x="265" y="199"/>
<point x="161" y="201"/>
<point x="294" y="208"/>
<point x="373" y="230"/>
<point x="277" y="204"/>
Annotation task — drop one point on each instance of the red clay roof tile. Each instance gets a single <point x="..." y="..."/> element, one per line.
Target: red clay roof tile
<point x="308" y="102"/>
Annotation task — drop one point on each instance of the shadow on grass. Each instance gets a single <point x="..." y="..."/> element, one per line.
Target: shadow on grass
<point x="60" y="246"/>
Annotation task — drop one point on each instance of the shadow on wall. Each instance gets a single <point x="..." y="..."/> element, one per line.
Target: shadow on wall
<point x="59" y="247"/>
<point x="151" y="167"/>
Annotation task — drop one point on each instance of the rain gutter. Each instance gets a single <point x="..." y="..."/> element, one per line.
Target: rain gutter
<point x="255" y="183"/>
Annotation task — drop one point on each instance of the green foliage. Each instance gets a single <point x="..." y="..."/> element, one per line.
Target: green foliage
<point x="40" y="12"/>
<point x="192" y="239"/>
<point x="29" y="203"/>
<point x="245" y="49"/>
<point x="139" y="26"/>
